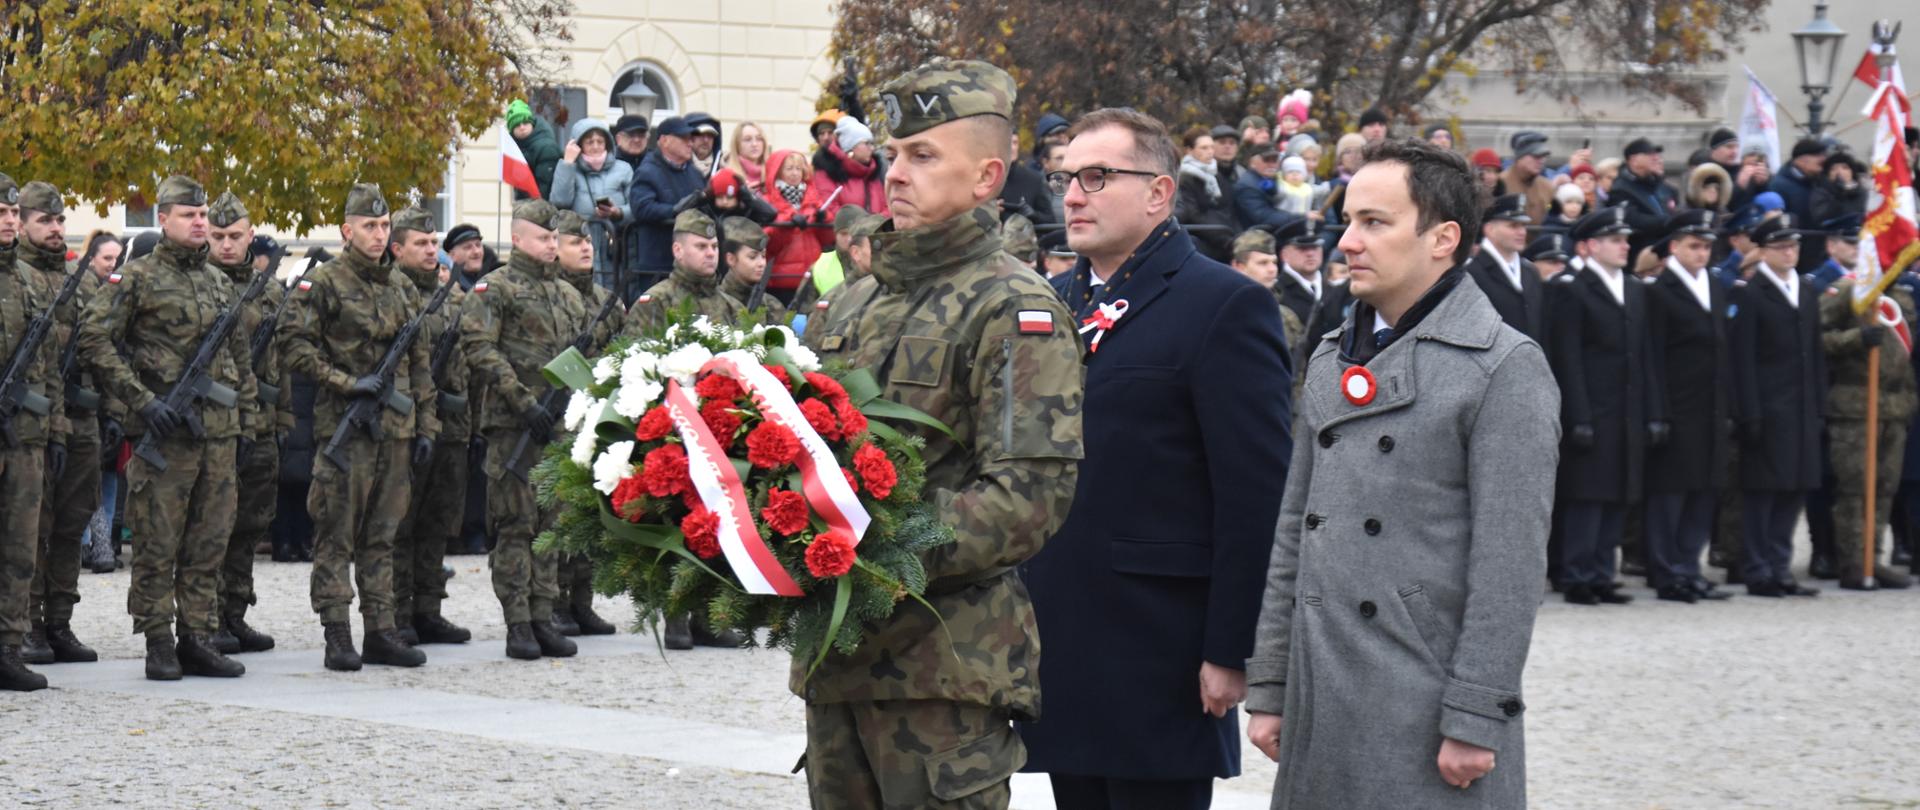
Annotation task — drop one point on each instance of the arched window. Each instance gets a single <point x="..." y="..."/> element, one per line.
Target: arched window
<point x="654" y="78"/>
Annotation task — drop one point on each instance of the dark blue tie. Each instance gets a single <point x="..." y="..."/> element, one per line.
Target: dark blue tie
<point x="1382" y="338"/>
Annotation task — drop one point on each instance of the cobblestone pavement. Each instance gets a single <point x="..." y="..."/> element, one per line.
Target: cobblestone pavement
<point x="1748" y="703"/>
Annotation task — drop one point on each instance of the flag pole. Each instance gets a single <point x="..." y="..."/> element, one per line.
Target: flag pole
<point x="1870" y="527"/>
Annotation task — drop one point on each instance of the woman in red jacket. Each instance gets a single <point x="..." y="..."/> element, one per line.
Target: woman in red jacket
<point x="850" y="165"/>
<point x="796" y="201"/>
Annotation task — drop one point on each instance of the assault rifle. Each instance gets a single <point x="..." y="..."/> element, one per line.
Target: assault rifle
<point x="257" y="346"/>
<point x="555" y="399"/>
<point x="196" y="383"/>
<point x="443" y="347"/>
<point x="15" y="393"/>
<point x="365" y="411"/>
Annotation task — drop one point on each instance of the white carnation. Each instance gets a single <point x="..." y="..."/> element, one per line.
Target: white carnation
<point x="638" y="366"/>
<point x="673" y="332"/>
<point x="804" y="358"/>
<point x="633" y="400"/>
<point x="605" y="369"/>
<point x="612" y="466"/>
<point x="684" y="362"/>
<point x="583" y="448"/>
<point x="577" y="408"/>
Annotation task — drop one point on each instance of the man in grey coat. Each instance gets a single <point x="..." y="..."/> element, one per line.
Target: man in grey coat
<point x="1412" y="538"/>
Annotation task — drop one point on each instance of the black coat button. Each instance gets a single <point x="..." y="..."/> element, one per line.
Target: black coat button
<point x="1386" y="444"/>
<point x="1314" y="521"/>
<point x="1327" y="438"/>
<point x="1367" y="609"/>
<point x="1511" y="707"/>
<point x="1372" y="527"/>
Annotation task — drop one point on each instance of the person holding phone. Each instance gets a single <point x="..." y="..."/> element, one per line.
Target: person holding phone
<point x="591" y="182"/>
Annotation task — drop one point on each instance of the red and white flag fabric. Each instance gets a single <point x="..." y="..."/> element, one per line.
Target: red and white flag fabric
<point x="1890" y="238"/>
<point x="514" y="170"/>
<point x="1868" y="71"/>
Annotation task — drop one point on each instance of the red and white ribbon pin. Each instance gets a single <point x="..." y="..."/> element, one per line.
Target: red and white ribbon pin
<point x="1358" y="385"/>
<point x="1102" y="321"/>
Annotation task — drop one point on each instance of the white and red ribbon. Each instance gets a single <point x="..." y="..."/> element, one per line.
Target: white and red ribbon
<point x="826" y="489"/>
<point x="1891" y="317"/>
<point x="1102" y="321"/>
<point x="720" y="490"/>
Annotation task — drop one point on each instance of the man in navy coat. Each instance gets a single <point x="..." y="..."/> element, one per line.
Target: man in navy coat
<point x="1148" y="595"/>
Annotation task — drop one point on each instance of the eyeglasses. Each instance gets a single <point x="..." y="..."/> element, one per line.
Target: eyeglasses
<point x="1092" y="178"/>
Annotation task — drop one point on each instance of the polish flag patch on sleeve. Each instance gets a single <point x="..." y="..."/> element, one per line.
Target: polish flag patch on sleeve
<point x="480" y="287"/>
<point x="305" y="285"/>
<point x="1036" y="322"/>
<point x="114" y="278"/>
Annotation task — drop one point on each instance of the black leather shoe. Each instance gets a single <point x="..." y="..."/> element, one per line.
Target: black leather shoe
<point x="1611" y="595"/>
<point x="1678" y="593"/>
<point x="1707" y="592"/>
<point x="435" y="629"/>
<point x="249" y="639"/>
<point x="1735" y="577"/>
<point x="726" y="639"/>
<point x="14" y="675"/>
<point x="590" y="622"/>
<point x="1791" y="588"/>
<point x="1765" y="589"/>
<point x="36" y="650"/>
<point x="385" y="648"/>
<point x="340" y="655"/>
<point x="163" y="662"/>
<point x="67" y="648"/>
<point x="563" y="621"/>
<point x="552" y="644"/>
<point x="1580" y="595"/>
<point x="198" y="657"/>
<point x="1822" y="567"/>
<point x="1632" y="568"/>
<point x="1857" y="584"/>
<point x="520" y="643"/>
<point x="1902" y="556"/>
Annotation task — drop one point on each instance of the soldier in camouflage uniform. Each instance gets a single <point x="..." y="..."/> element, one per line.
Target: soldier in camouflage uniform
<point x="573" y="613"/>
<point x="160" y="307"/>
<point x="696" y="259"/>
<point x="228" y="243"/>
<point x="1256" y="256"/>
<point x="1017" y="233"/>
<point x="341" y="318"/>
<point x="834" y="268"/>
<point x="516" y="321"/>
<point x="743" y="247"/>
<point x="438" y="503"/>
<point x="22" y="474"/>
<point x="921" y="714"/>
<point x="1846" y="342"/>
<point x="825" y="316"/>
<point x="73" y="490"/>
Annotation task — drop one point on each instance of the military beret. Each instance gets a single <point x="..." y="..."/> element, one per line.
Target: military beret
<point x="1509" y="207"/>
<point x="569" y="223"/>
<point x="9" y="190"/>
<point x="414" y="218"/>
<point x="226" y="210"/>
<point x="461" y="233"/>
<point x="42" y="196"/>
<point x="535" y="212"/>
<point x="1017" y="236"/>
<point x="696" y="222"/>
<point x="942" y="91"/>
<point x="177" y="190"/>
<point x="741" y="232"/>
<point x="365" y="200"/>
<point x="1604" y="222"/>
<point x="1257" y="240"/>
<point x="847" y="217"/>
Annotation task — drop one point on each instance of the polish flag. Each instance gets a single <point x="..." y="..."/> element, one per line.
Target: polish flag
<point x="514" y="170"/>
<point x="1890" y="239"/>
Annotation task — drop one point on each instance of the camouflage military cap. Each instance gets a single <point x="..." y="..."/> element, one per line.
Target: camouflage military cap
<point x="866" y="226"/>
<point x="696" y="222"/>
<point x="414" y="218"/>
<point x="226" y="210"/>
<point x="9" y="190"/>
<point x="1018" y="237"/>
<point x="365" y="200"/>
<point x="177" y="190"/>
<point x="942" y="91"/>
<point x="1254" y="241"/>
<point x="42" y="196"/>
<point x="741" y="232"/>
<point x="568" y="223"/>
<point x="847" y="217"/>
<point x="536" y="212"/>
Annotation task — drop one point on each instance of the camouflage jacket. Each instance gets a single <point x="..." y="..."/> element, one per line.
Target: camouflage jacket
<point x="49" y="270"/>
<point x="593" y="297"/>
<point x="811" y="301"/>
<point x="650" y="311"/>
<point x="21" y="300"/>
<point x="772" y="312"/>
<point x="159" y="307"/>
<point x="276" y="397"/>
<point x="454" y="405"/>
<point x="941" y="328"/>
<point x="515" y="321"/>
<point x="1847" y="359"/>
<point x="340" y="319"/>
<point x="829" y="313"/>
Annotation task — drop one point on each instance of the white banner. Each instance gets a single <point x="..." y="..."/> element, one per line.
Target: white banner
<point x="1759" y="121"/>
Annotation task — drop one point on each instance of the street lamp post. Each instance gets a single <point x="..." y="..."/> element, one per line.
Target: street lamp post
<point x="638" y="100"/>
<point x="1818" y="45"/>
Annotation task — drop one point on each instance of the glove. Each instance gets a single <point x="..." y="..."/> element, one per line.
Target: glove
<point x="1581" y="437"/>
<point x="799" y="220"/>
<point x="819" y="217"/>
<point x="111" y="435"/>
<point x="161" y="420"/>
<point x="422" y="450"/>
<point x="1870" y="336"/>
<point x="1658" y="433"/>
<point x="368" y="385"/>
<point x="56" y="459"/>
<point x="538" y="421"/>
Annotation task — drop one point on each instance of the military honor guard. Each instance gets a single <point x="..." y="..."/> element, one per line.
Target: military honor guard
<point x="696" y="260"/>
<point x="1511" y="282"/>
<point x="1319" y="302"/>
<point x="32" y="433"/>
<point x="573" y="613"/>
<point x="1847" y="338"/>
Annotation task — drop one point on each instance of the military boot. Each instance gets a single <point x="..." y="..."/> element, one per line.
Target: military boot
<point x="552" y="644"/>
<point x="563" y="622"/>
<point x="224" y="640"/>
<point x="403" y="625"/>
<point x="163" y="663"/>
<point x="67" y="648"/>
<point x="679" y="634"/>
<point x="590" y="622"/>
<point x="36" y="650"/>
<point x="248" y="639"/>
<point x="199" y="657"/>
<point x="385" y="647"/>
<point x="14" y="675"/>
<point x="704" y="636"/>
<point x="341" y="657"/>
<point x="435" y="629"/>
<point x="520" y="642"/>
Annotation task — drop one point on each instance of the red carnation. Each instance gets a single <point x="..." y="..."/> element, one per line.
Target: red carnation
<point x="655" y="424"/>
<point x="780" y="373"/>
<point x="852" y="421"/>
<point x="830" y="555"/>
<point x="852" y="482"/>
<point x="821" y="418"/>
<point x="702" y="529"/>
<point x="691" y="500"/>
<point x="664" y="471"/>
<point x="719" y="387"/>
<point x="719" y="416"/>
<point x="629" y="489"/>
<point x="771" y="445"/>
<point x="826" y="387"/>
<point x="876" y="470"/>
<point x="785" y="512"/>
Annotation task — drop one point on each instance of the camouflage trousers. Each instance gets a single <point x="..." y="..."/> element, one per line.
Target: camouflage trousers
<point x="259" y="496"/>
<point x="901" y="754"/>
<point x="64" y="514"/>
<point x="180" y="519"/>
<point x="420" y="546"/>
<point x="1849" y="438"/>
<point x="22" y="471"/>
<point x="576" y="580"/>
<point x="355" y="514"/>
<point x="526" y="583"/>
